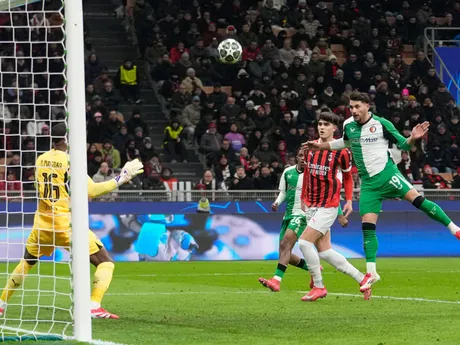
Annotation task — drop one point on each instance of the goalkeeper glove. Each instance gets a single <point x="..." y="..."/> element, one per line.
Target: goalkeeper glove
<point x="129" y="171"/>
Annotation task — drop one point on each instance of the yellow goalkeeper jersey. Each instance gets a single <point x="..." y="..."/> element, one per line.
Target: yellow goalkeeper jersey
<point x="52" y="182"/>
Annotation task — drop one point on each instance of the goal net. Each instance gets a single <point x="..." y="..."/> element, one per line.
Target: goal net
<point x="32" y="100"/>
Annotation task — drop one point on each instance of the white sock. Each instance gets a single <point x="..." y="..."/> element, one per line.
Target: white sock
<point x="2" y="304"/>
<point x="312" y="259"/>
<point x="341" y="264"/>
<point x="371" y="267"/>
<point x="453" y="228"/>
<point x="278" y="278"/>
<point x="95" y="305"/>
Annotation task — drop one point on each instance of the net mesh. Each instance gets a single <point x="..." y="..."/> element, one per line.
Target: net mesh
<point x="33" y="99"/>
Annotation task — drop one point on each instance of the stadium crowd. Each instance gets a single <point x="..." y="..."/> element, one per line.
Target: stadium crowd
<point x="245" y="121"/>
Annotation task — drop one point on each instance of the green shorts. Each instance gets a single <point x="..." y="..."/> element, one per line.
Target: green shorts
<point x="389" y="184"/>
<point x="297" y="224"/>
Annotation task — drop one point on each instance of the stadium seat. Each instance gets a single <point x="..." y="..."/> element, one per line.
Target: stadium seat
<point x="209" y="89"/>
<point x="289" y="31"/>
<point x="337" y="48"/>
<point x="446" y="176"/>
<point x="440" y="20"/>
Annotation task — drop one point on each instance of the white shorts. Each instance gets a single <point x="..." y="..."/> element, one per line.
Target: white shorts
<point x="321" y="218"/>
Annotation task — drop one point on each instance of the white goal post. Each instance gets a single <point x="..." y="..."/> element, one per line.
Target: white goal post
<point x="54" y="300"/>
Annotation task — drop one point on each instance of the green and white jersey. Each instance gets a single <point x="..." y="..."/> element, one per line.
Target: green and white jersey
<point x="369" y="144"/>
<point x="291" y="183"/>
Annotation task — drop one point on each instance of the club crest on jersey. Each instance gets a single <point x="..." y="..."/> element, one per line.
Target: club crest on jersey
<point x="329" y="158"/>
<point x="372" y="129"/>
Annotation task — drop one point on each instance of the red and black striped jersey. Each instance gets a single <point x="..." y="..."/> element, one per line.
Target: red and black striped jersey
<point x="323" y="177"/>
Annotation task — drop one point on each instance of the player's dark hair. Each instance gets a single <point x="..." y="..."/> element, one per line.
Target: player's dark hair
<point x="58" y="132"/>
<point x="360" y="97"/>
<point x="329" y="117"/>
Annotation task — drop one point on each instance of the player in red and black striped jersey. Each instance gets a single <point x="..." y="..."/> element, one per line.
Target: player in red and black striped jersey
<point x="324" y="171"/>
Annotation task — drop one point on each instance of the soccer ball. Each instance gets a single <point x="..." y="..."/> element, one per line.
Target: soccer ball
<point x="230" y="51"/>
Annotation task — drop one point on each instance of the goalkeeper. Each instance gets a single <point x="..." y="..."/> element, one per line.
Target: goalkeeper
<point x="51" y="226"/>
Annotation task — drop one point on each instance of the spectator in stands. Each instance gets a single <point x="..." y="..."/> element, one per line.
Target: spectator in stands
<point x="102" y="80"/>
<point x="121" y="138"/>
<point x="105" y="174"/>
<point x="173" y="144"/>
<point x="224" y="171"/>
<point x="110" y="155"/>
<point x="153" y="182"/>
<point x="130" y="152"/>
<point x="241" y="181"/>
<point x="410" y="170"/>
<point x="168" y="179"/>
<point x="260" y="68"/>
<point x="94" y="163"/>
<point x="439" y="158"/>
<point x="92" y="68"/>
<point x="97" y="129"/>
<point x="441" y="96"/>
<point x="28" y="152"/>
<point x="230" y="109"/>
<point x="147" y="151"/>
<point x="180" y="99"/>
<point x="266" y="180"/>
<point x="191" y="81"/>
<point x="209" y="183"/>
<point x="210" y="142"/>
<point x="433" y="181"/>
<point x="127" y="80"/>
<point x="236" y="139"/>
<point x="139" y="138"/>
<point x="43" y="140"/>
<point x="113" y="124"/>
<point x="245" y="124"/>
<point x="110" y="96"/>
<point x="190" y="118"/>
<point x="264" y="152"/>
<point x="136" y="121"/>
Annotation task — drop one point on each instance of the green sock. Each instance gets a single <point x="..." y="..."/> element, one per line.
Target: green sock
<point x="280" y="270"/>
<point x="371" y="243"/>
<point x="302" y="264"/>
<point x="435" y="212"/>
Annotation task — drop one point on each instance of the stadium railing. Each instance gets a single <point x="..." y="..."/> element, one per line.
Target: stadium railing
<point x="195" y="195"/>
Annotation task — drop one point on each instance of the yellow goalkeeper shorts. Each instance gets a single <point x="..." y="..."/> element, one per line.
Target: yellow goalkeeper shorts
<point x="49" y="232"/>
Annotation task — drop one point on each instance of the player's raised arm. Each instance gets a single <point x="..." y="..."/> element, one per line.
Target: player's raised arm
<point x="129" y="171"/>
<point x="393" y="136"/>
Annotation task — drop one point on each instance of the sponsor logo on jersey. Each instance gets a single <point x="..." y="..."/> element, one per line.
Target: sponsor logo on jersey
<point x="317" y="169"/>
<point x="364" y="140"/>
<point x="372" y="129"/>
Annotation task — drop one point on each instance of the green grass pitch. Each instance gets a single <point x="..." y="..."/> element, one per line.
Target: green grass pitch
<point x="221" y="303"/>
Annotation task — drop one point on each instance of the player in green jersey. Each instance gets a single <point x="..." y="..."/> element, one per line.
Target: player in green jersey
<point x="294" y="221"/>
<point x="368" y="136"/>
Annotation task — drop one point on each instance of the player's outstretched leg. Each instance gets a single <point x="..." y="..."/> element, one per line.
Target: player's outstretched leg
<point x="341" y="264"/>
<point x="307" y="246"/>
<point x="14" y="281"/>
<point x="433" y="211"/>
<point x="287" y="242"/>
<point x="101" y="282"/>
